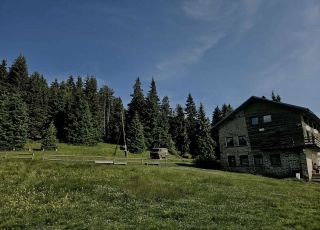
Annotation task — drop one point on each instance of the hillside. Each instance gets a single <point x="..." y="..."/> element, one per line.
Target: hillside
<point x="42" y="194"/>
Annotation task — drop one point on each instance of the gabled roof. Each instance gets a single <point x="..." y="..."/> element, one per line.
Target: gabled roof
<point x="303" y="110"/>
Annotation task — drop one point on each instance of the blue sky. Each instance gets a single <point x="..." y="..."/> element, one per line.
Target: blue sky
<point x="219" y="51"/>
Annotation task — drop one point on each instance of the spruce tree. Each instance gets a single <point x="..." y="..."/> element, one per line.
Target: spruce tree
<point x="205" y="148"/>
<point x="226" y="110"/>
<point x="13" y="122"/>
<point x="137" y="103"/>
<point x="217" y="116"/>
<point x="49" y="141"/>
<point x="275" y="97"/>
<point x="38" y="105"/>
<point x="60" y="97"/>
<point x="78" y="125"/>
<point x="3" y="77"/>
<point x="152" y="115"/>
<point x="106" y="107"/>
<point x="191" y="123"/>
<point x="18" y="76"/>
<point x="179" y="131"/>
<point x="70" y="85"/>
<point x="135" y="136"/>
<point x="161" y="133"/>
<point x="87" y="132"/>
<point x="92" y="97"/>
<point x="115" y="122"/>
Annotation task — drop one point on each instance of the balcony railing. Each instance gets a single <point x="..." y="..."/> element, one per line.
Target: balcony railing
<point x="314" y="141"/>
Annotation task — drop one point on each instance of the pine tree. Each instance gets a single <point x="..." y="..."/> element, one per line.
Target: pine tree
<point x="135" y="136"/>
<point x="137" y="104"/>
<point x="3" y="77"/>
<point x="162" y="137"/>
<point x="91" y="95"/>
<point x="226" y="110"/>
<point x="13" y="122"/>
<point x="191" y="123"/>
<point x="115" y="123"/>
<point x="216" y="116"/>
<point x="179" y="131"/>
<point x="88" y="133"/>
<point x="278" y="98"/>
<point x="18" y="76"/>
<point x="152" y="115"/>
<point x="78" y="125"/>
<point x="38" y="105"/>
<point x="49" y="141"/>
<point x="106" y="105"/>
<point x="205" y="148"/>
<point x="70" y="85"/>
<point x="160" y="134"/>
<point x="60" y="96"/>
<point x="275" y="97"/>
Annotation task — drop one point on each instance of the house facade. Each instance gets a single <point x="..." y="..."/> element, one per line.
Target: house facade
<point x="270" y="138"/>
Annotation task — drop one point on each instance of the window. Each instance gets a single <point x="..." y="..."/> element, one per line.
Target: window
<point x="232" y="161"/>
<point x="229" y="141"/>
<point x="258" y="161"/>
<point x="244" y="160"/>
<point x="275" y="159"/>
<point x="255" y="121"/>
<point x="242" y="141"/>
<point x="267" y="119"/>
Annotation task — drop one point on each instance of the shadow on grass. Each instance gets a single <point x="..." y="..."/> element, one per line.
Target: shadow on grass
<point x="186" y="165"/>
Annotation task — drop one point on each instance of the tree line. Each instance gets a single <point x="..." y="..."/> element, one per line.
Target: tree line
<point x="76" y="111"/>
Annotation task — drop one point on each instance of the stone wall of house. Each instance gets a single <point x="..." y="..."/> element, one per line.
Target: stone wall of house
<point x="290" y="163"/>
<point x="233" y="128"/>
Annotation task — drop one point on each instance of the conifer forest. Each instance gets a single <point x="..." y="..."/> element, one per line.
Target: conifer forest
<point x="78" y="111"/>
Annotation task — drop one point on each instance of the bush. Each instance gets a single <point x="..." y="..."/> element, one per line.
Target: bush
<point x="49" y="142"/>
<point x="206" y="161"/>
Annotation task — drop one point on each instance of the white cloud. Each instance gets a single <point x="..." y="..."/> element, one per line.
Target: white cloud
<point x="177" y="64"/>
<point x="295" y="69"/>
<point x="218" y="19"/>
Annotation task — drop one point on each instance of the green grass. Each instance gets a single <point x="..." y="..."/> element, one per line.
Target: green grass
<point x="41" y="194"/>
<point x="101" y="149"/>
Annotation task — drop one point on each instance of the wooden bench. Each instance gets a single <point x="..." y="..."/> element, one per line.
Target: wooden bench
<point x="152" y="163"/>
<point x="107" y="162"/>
<point x="27" y="156"/>
<point x="120" y="163"/>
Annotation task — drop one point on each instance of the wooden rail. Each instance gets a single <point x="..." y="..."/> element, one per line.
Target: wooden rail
<point x="18" y="155"/>
<point x="312" y="141"/>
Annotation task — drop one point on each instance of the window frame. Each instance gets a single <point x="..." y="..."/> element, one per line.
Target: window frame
<point x="245" y="138"/>
<point x="242" y="157"/>
<point x="234" y="161"/>
<point x="252" y="119"/>
<point x="267" y="121"/>
<point x="233" y="142"/>
<point x="260" y="157"/>
<point x="272" y="159"/>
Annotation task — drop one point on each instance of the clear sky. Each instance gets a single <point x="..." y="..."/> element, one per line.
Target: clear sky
<point x="219" y="51"/>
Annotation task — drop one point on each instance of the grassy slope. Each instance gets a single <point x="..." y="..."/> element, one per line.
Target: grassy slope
<point x="101" y="149"/>
<point x="42" y="194"/>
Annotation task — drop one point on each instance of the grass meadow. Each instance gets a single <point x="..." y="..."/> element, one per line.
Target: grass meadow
<point x="38" y="194"/>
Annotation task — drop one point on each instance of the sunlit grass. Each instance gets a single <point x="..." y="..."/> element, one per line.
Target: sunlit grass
<point x="41" y="194"/>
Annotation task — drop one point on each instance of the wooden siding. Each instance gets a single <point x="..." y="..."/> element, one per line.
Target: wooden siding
<point x="285" y="130"/>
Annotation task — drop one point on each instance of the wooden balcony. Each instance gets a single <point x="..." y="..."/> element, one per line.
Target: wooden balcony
<point x="312" y="142"/>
